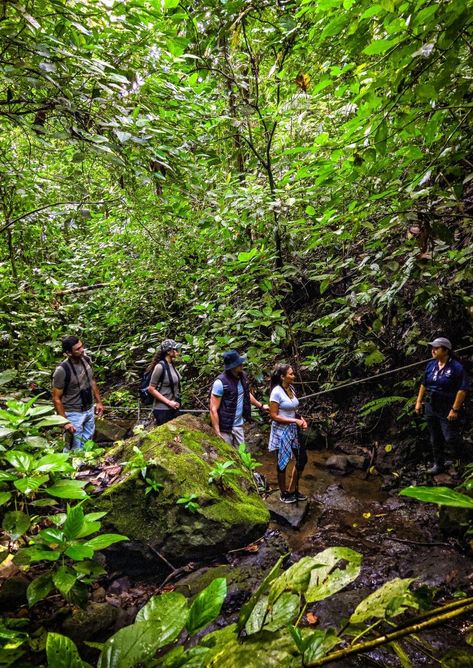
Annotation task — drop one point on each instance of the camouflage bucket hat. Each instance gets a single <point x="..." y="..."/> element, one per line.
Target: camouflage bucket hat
<point x="170" y="344"/>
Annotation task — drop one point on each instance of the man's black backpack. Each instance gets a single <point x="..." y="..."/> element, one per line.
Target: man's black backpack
<point x="146" y="398"/>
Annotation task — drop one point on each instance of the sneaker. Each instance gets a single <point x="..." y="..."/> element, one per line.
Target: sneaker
<point x="299" y="497"/>
<point x="287" y="497"/>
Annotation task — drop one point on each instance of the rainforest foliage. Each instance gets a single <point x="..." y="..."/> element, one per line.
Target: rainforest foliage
<point x="288" y="177"/>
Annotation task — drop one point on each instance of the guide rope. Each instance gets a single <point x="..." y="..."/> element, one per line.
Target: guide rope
<point x="342" y="386"/>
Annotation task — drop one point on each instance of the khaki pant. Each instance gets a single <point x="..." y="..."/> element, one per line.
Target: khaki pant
<point x="236" y="437"/>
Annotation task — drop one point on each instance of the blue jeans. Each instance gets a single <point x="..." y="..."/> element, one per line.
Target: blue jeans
<point x="84" y="422"/>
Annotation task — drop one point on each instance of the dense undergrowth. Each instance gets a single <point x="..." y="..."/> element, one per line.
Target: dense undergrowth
<point x="289" y="179"/>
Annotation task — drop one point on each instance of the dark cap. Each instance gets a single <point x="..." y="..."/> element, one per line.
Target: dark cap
<point x="169" y="344"/>
<point x="232" y="359"/>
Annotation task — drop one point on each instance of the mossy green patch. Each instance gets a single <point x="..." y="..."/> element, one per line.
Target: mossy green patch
<point x="181" y="455"/>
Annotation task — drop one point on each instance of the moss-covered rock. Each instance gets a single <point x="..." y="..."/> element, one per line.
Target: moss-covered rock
<point x="180" y="455"/>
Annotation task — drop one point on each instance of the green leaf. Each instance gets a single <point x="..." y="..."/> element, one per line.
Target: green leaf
<point x="4" y="497"/>
<point x="51" y="421"/>
<point x="247" y="609"/>
<point x="339" y="567"/>
<point x="30" y="484"/>
<point x="74" y="522"/>
<point x="36" y="553"/>
<point x="318" y="643"/>
<point x="79" y="552"/>
<point x="54" y="462"/>
<point x="39" y="588"/>
<point x="21" y="461"/>
<point x="296" y="579"/>
<point x="6" y="431"/>
<point x="131" y="645"/>
<point x="68" y="489"/>
<point x="104" y="540"/>
<point x="64" y="579"/>
<point x="7" y="376"/>
<point x="207" y="605"/>
<point x="62" y="652"/>
<point x="443" y="496"/>
<point x="380" y="46"/>
<point x="169" y="612"/>
<point x="15" y="524"/>
<point x="276" y="617"/>
<point x="392" y="599"/>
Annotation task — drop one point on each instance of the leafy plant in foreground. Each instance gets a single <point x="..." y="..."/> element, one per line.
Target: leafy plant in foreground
<point x="269" y="630"/>
<point x="69" y="546"/>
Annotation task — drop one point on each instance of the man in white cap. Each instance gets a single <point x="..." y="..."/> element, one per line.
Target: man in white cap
<point x="441" y="395"/>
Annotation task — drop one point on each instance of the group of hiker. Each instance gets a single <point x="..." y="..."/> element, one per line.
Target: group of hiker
<point x="77" y="398"/>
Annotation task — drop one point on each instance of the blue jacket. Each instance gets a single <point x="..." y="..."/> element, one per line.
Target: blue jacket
<point x="445" y="383"/>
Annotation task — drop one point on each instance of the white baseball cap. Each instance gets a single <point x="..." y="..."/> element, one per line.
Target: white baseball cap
<point x="441" y="341"/>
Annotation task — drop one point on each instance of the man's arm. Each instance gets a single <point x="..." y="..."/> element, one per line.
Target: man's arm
<point x="98" y="399"/>
<point x="257" y="404"/>
<point x="59" y="406"/>
<point x="214" y="406"/>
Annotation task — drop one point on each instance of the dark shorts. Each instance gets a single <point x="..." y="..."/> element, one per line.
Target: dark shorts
<point x="164" y="415"/>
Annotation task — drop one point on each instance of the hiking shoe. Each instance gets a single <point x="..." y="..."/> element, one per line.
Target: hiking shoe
<point x="299" y="497"/>
<point x="287" y="497"/>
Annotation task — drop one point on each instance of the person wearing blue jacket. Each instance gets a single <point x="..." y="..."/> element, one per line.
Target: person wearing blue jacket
<point x="441" y="397"/>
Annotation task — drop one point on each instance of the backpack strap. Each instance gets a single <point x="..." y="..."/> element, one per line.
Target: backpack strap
<point x="67" y="375"/>
<point x="171" y="382"/>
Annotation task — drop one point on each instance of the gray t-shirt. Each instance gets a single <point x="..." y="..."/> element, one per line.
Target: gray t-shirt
<point x="71" y="399"/>
<point x="157" y="378"/>
<point x="287" y="406"/>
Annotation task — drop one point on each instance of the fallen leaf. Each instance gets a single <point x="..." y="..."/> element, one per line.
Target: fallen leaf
<point x="366" y="516"/>
<point x="252" y="548"/>
<point x="312" y="619"/>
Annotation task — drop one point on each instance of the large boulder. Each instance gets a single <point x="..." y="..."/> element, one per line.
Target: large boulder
<point x="181" y="455"/>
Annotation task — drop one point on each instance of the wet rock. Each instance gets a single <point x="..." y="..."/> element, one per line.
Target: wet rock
<point x="287" y="513"/>
<point x="90" y="622"/>
<point x="335" y="498"/>
<point x="181" y="455"/>
<point x="119" y="585"/>
<point x="98" y="595"/>
<point x="109" y="432"/>
<point x="346" y="463"/>
<point x="13" y="592"/>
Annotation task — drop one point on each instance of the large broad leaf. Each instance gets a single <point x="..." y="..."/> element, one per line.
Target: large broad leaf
<point x="443" y="496"/>
<point x="64" y="579"/>
<point x="6" y="431"/>
<point x="7" y="376"/>
<point x="4" y="497"/>
<point x="273" y="617"/>
<point x="79" y="552"/>
<point x="340" y="566"/>
<point x="207" y="605"/>
<point x="15" y="524"/>
<point x="62" y="652"/>
<point x="296" y="579"/>
<point x="54" y="463"/>
<point x="68" y="489"/>
<point x="169" y="612"/>
<point x="74" y="522"/>
<point x="319" y="643"/>
<point x="388" y="601"/>
<point x="30" y="484"/>
<point x="247" y="609"/>
<point x="22" y="461"/>
<point x="131" y="645"/>
<point x="36" y="553"/>
<point x="39" y="588"/>
<point x="105" y="540"/>
<point x="51" y="421"/>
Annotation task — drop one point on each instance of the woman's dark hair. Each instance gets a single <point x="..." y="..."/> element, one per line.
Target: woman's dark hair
<point x="158" y="356"/>
<point x="278" y="373"/>
<point x="68" y="343"/>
